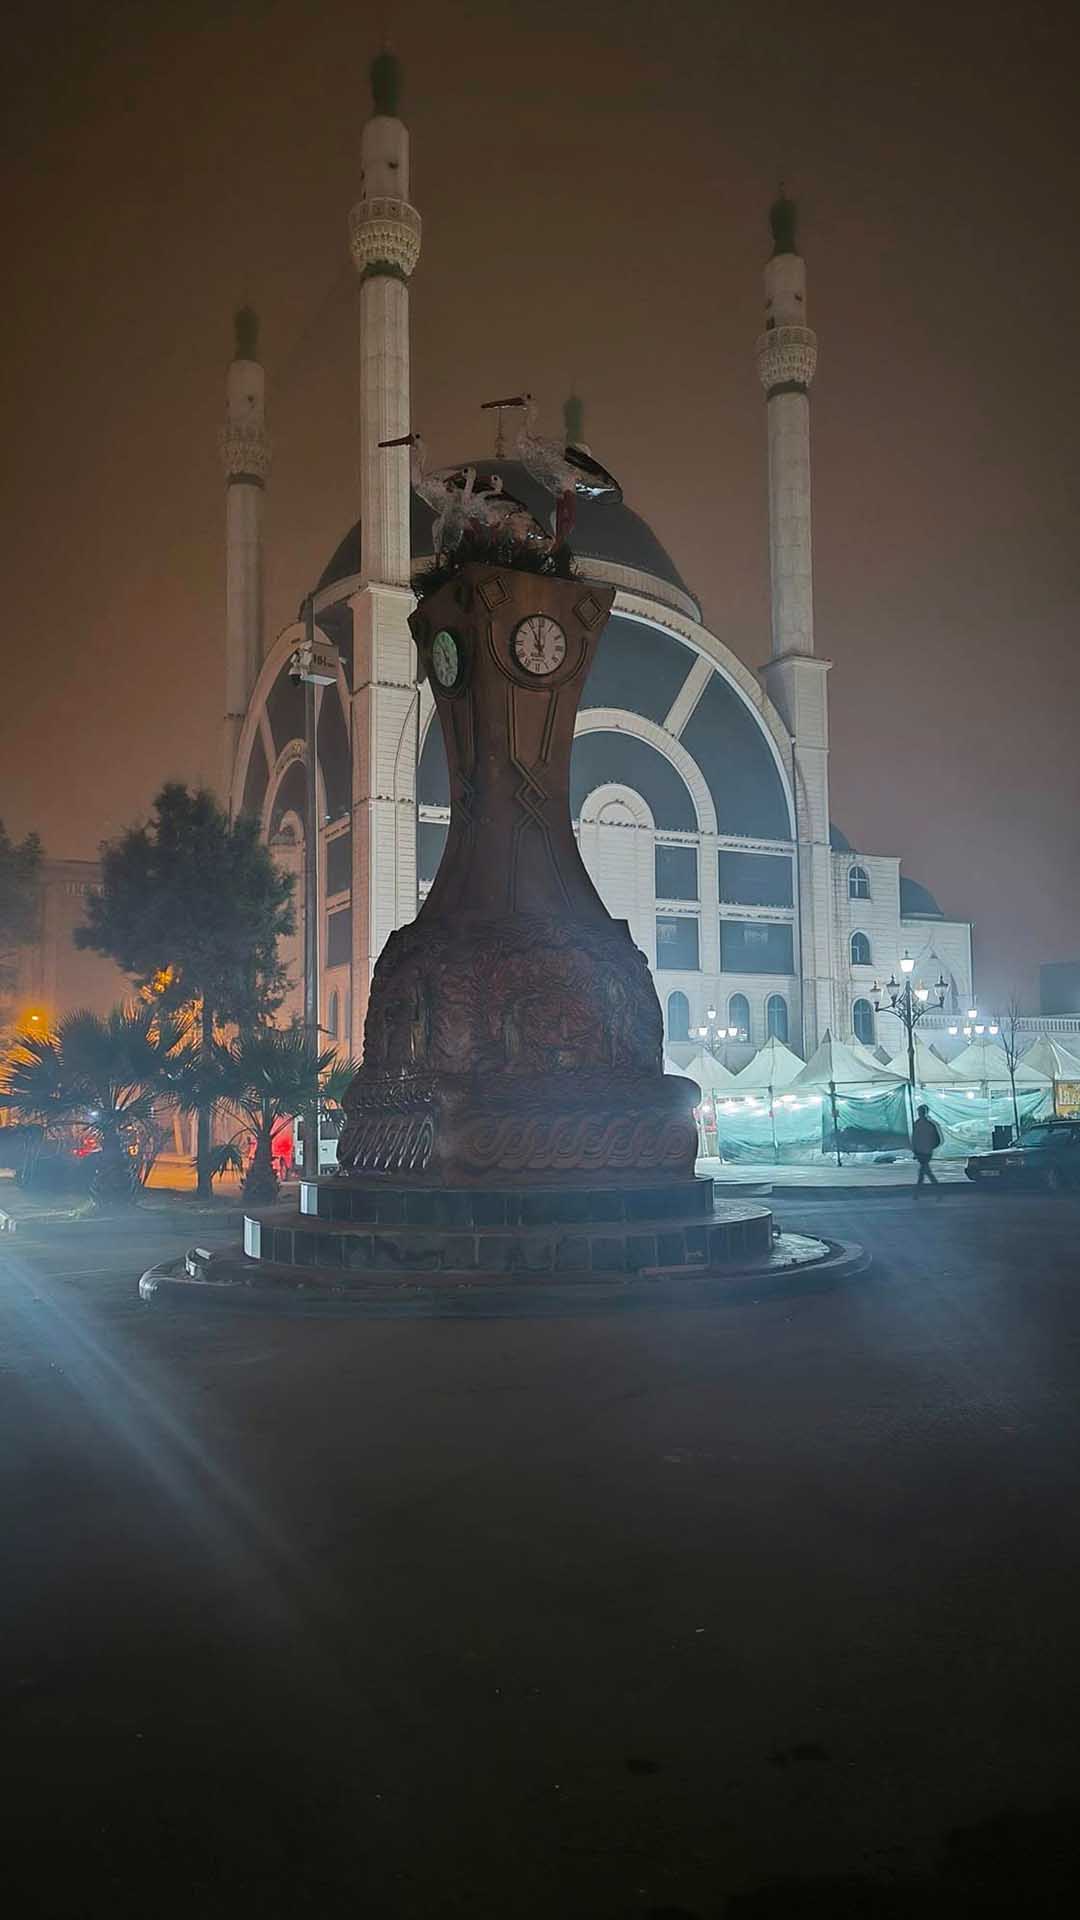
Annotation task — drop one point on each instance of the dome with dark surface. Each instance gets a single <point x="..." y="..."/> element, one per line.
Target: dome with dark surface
<point x="606" y="533"/>
<point x="917" y="902"/>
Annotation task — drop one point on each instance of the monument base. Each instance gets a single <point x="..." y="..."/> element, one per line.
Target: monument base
<point x="364" y="1228"/>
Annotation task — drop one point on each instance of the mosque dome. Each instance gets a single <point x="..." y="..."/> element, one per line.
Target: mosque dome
<point x="607" y="536"/>
<point x="917" y="902"/>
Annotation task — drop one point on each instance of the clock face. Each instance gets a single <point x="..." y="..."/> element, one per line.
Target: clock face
<point x="539" y="644"/>
<point x="445" y="659"/>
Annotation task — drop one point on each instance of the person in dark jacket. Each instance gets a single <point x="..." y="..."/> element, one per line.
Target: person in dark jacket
<point x="925" y="1140"/>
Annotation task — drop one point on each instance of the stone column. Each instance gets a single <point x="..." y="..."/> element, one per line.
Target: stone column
<point x="245" y="455"/>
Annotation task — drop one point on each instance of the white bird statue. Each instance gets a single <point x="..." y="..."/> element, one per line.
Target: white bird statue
<point x="447" y="492"/>
<point x="564" y="470"/>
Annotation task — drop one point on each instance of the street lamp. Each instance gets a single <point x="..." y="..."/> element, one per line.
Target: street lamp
<point x="910" y="1003"/>
<point x="715" y="1039"/>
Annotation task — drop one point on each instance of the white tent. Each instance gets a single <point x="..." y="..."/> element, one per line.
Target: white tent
<point x="1050" y="1057"/>
<point x="985" y="1062"/>
<point x="773" y="1065"/>
<point x="930" y="1069"/>
<point x="710" y="1074"/>
<point x="680" y="1073"/>
<point x="873" y="1056"/>
<point x="835" y="1061"/>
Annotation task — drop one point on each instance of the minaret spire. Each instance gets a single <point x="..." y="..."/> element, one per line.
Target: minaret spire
<point x="795" y="677"/>
<point x="245" y="456"/>
<point x="385" y="243"/>
<point x="787" y="357"/>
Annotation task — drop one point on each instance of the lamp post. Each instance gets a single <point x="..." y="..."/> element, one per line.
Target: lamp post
<point x="716" y="1039"/>
<point x="910" y="1003"/>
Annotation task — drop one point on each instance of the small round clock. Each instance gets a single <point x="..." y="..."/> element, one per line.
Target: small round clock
<point x="539" y="644"/>
<point x="445" y="659"/>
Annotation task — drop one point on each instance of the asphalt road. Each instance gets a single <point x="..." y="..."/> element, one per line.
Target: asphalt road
<point x="765" y="1610"/>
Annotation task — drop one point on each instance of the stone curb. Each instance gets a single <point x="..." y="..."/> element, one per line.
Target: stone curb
<point x="847" y="1189"/>
<point x="419" y="1299"/>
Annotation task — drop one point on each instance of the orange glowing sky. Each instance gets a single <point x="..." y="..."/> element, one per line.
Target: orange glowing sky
<point x="594" y="180"/>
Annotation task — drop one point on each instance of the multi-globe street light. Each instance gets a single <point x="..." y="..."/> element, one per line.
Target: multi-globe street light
<point x="910" y="1002"/>
<point x="716" y="1039"/>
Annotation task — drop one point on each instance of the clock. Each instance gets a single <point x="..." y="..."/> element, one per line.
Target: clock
<point x="445" y="659"/>
<point x="539" y="644"/>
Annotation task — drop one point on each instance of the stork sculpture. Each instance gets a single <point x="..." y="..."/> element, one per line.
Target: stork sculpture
<point x="464" y="506"/>
<point x="563" y="470"/>
<point x="447" y="492"/>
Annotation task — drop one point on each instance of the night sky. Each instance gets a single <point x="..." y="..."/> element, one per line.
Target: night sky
<point x="594" y="180"/>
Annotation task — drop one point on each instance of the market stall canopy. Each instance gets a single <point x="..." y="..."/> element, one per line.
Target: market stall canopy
<point x="1050" y="1057"/>
<point x="930" y="1069"/>
<point x="984" y="1061"/>
<point x="874" y="1056"/>
<point x="710" y="1074"/>
<point x="773" y="1065"/>
<point x="681" y="1073"/>
<point x="836" y="1061"/>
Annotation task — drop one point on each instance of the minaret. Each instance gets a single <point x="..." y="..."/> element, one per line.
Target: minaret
<point x="245" y="455"/>
<point x="794" y="676"/>
<point x="384" y="233"/>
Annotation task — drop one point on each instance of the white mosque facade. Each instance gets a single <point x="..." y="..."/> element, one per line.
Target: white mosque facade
<point x="700" y="790"/>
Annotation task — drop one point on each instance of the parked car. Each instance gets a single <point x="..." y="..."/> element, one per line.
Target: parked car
<point x="1046" y="1156"/>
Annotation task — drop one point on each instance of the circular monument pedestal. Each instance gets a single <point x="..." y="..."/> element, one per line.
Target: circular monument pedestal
<point x="371" y="1230"/>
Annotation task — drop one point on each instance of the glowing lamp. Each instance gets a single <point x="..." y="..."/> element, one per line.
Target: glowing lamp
<point x="954" y="1031"/>
<point x="973" y="1013"/>
<point x="711" y="1015"/>
<point x="923" y="994"/>
<point x="907" y="964"/>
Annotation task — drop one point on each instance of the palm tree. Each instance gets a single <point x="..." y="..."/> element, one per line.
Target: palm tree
<point x="265" y="1075"/>
<point x="106" y="1069"/>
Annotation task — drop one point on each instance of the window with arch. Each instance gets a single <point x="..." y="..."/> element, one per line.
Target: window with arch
<point x="860" y="950"/>
<point x="858" y="883"/>
<point x="776" y="1018"/>
<point x="862" y="1019"/>
<point x="678" y="1017"/>
<point x="332" y="1017"/>
<point x="738" y="1015"/>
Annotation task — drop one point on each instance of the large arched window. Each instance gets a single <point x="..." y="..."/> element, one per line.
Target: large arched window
<point x="776" y="1020"/>
<point x="858" y="883"/>
<point x="860" y="950"/>
<point x="862" y="1019"/>
<point x="738" y="1014"/>
<point x="678" y="1017"/>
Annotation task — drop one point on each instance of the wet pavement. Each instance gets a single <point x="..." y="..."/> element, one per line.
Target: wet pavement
<point x="765" y="1609"/>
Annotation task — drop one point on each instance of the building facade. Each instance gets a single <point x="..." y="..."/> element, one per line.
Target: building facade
<point x="700" y="789"/>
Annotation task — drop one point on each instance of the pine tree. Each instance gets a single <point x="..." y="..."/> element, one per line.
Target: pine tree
<point x="192" y="906"/>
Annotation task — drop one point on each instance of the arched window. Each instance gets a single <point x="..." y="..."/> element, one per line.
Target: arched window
<point x="858" y="883"/>
<point x="860" y="950"/>
<point x="776" y="1022"/>
<point x="332" y="1017"/>
<point x="678" y="1017"/>
<point x="862" y="1019"/>
<point x="738" y="1014"/>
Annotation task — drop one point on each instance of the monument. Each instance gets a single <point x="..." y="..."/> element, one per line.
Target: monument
<point x="511" y="1116"/>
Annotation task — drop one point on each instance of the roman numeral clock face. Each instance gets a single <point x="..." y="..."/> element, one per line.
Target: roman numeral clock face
<point x="539" y="644"/>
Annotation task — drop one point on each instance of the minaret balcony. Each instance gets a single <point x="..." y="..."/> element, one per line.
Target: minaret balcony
<point x="786" y="356"/>
<point x="384" y="237"/>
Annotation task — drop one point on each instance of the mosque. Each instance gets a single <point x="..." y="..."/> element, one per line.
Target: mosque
<point x="700" y="789"/>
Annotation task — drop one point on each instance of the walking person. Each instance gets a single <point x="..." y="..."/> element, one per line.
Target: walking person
<point x="925" y="1140"/>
